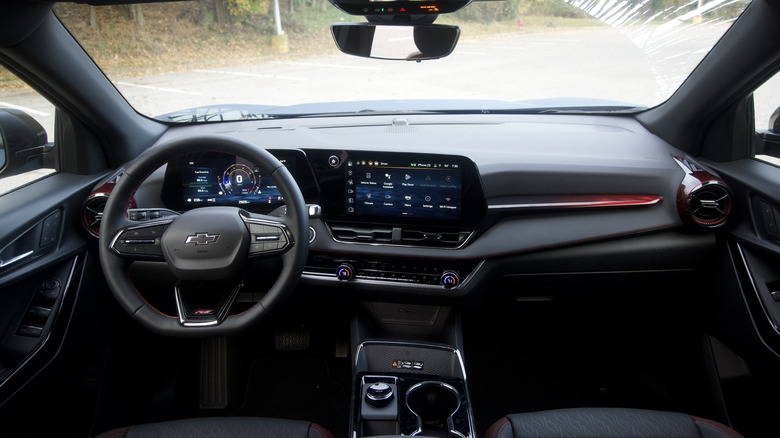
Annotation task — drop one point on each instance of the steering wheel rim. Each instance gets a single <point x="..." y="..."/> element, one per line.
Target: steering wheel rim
<point x="115" y="266"/>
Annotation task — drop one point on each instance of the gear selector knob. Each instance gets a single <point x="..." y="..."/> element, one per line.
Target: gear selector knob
<point x="379" y="394"/>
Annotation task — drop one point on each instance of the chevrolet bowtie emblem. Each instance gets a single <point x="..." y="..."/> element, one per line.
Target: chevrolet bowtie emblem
<point x="202" y="239"/>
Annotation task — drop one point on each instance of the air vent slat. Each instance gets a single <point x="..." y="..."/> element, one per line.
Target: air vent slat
<point x="710" y="205"/>
<point x="400" y="236"/>
<point x="703" y="200"/>
<point x="92" y="213"/>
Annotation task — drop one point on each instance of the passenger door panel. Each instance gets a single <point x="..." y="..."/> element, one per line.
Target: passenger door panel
<point x="754" y="242"/>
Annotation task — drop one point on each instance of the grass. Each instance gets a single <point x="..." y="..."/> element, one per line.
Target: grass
<point x="122" y="48"/>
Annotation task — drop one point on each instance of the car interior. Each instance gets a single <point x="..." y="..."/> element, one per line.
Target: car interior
<point x="435" y="271"/>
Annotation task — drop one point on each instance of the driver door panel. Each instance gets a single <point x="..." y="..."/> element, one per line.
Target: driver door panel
<point x="43" y="248"/>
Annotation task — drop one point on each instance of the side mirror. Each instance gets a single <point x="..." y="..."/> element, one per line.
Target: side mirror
<point x="397" y="42"/>
<point x="774" y="121"/>
<point x="23" y="143"/>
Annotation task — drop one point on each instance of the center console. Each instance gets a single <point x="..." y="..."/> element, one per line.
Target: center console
<point x="410" y="389"/>
<point x="413" y="381"/>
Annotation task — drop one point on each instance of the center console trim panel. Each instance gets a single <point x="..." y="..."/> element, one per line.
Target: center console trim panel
<point x="363" y="372"/>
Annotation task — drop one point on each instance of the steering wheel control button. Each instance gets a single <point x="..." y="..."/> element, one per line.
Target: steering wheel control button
<point x="143" y="241"/>
<point x="266" y="238"/>
<point x="345" y="272"/>
<point x="450" y="279"/>
<point x="140" y="215"/>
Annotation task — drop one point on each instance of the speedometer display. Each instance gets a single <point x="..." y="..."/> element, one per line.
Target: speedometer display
<point x="239" y="179"/>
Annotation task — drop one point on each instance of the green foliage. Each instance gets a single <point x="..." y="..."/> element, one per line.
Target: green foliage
<point x="494" y="11"/>
<point x="208" y="18"/>
<point x="242" y="11"/>
<point x="549" y="8"/>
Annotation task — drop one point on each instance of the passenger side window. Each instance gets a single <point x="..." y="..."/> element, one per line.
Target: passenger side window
<point x="27" y="150"/>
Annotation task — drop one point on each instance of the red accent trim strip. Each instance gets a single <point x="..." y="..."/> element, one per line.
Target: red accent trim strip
<point x="497" y="429"/>
<point x="120" y="432"/>
<point x="578" y="201"/>
<point x="321" y="431"/>
<point x="715" y="425"/>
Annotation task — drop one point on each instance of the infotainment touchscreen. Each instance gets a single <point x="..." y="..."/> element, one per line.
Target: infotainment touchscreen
<point x="404" y="189"/>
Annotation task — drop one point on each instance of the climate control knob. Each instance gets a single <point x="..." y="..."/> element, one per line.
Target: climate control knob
<point x="450" y="279"/>
<point x="345" y="272"/>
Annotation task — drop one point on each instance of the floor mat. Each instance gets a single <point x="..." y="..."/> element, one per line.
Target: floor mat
<point x="300" y="389"/>
<point x="549" y="355"/>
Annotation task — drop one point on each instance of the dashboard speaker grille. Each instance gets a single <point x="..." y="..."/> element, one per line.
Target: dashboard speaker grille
<point x="92" y="213"/>
<point x="710" y="204"/>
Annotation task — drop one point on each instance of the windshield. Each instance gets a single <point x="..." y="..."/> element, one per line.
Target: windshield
<point x="240" y="60"/>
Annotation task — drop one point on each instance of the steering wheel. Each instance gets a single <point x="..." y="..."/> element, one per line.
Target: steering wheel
<point x="206" y="248"/>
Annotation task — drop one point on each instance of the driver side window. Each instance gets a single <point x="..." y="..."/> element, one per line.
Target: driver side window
<point x="27" y="150"/>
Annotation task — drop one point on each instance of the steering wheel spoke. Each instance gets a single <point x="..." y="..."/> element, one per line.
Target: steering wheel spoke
<point x="141" y="241"/>
<point x="269" y="235"/>
<point x="203" y="304"/>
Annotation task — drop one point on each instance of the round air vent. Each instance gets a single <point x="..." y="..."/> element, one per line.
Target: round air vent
<point x="709" y="204"/>
<point x="92" y="212"/>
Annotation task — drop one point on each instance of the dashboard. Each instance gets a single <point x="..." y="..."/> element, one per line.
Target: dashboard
<point x="435" y="205"/>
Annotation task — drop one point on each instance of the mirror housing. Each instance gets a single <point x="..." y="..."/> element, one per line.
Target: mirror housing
<point x="396" y="42"/>
<point x="399" y="8"/>
<point x="23" y="142"/>
<point x="774" y="121"/>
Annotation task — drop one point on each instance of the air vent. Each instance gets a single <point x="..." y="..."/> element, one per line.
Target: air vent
<point x="348" y="233"/>
<point x="710" y="204"/>
<point x="399" y="236"/>
<point x="430" y="238"/>
<point x="92" y="212"/>
<point x="703" y="199"/>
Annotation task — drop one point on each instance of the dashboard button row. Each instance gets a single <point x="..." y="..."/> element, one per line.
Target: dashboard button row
<point x="369" y="274"/>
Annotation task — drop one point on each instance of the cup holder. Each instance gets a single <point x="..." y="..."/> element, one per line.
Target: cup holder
<point x="434" y="403"/>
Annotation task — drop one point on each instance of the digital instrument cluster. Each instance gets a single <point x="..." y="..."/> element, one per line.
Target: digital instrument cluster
<point x="219" y="179"/>
<point x="227" y="184"/>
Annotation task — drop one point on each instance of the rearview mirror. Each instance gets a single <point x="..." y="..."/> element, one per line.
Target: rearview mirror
<point x="398" y="42"/>
<point x="396" y="8"/>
